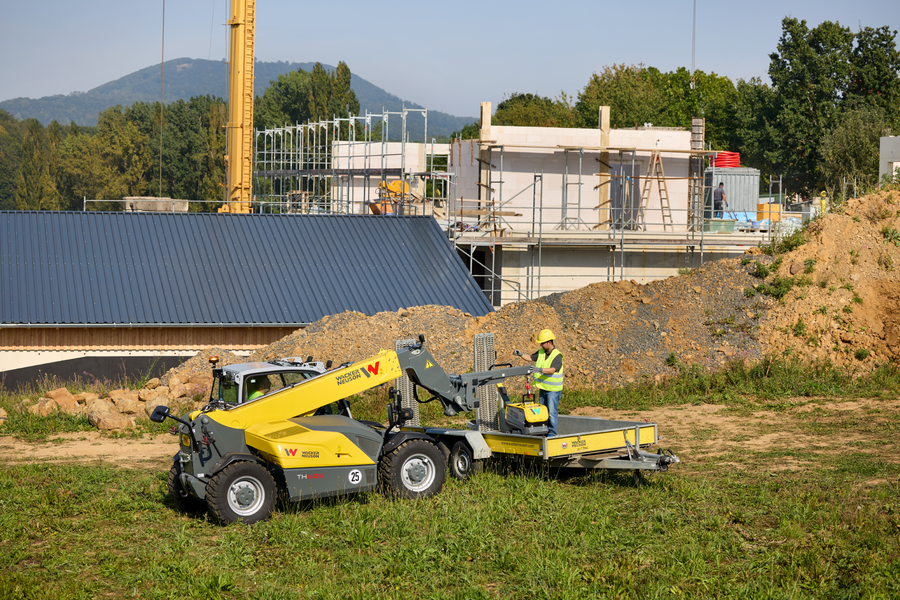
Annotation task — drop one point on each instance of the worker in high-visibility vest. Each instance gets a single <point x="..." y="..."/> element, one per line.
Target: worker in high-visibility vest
<point x="548" y="375"/>
<point x="257" y="387"/>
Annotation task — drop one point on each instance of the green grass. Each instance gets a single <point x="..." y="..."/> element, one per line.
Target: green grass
<point x="705" y="531"/>
<point x="778" y="522"/>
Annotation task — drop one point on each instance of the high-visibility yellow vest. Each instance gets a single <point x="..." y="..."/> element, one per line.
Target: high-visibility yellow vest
<point x="551" y="383"/>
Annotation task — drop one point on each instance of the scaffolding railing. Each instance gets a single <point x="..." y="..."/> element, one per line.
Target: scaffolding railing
<point x="348" y="165"/>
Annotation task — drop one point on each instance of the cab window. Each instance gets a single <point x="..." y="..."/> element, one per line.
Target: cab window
<point x="295" y="377"/>
<point x="226" y="391"/>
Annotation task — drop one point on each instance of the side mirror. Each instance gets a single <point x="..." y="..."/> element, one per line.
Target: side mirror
<point x="159" y="414"/>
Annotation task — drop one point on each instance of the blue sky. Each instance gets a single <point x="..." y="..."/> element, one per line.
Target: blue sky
<point x="449" y="56"/>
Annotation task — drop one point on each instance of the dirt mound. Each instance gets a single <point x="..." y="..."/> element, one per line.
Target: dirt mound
<point x="844" y="297"/>
<point x="844" y="304"/>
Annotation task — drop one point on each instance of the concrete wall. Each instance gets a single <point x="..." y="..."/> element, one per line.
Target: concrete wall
<point x="889" y="156"/>
<point x="569" y="268"/>
<point x="557" y="203"/>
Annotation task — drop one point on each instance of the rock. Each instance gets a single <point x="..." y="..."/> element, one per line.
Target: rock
<point x="114" y="421"/>
<point x="120" y="395"/>
<point x="128" y="406"/>
<point x="152" y="384"/>
<point x="152" y="404"/>
<point x="177" y="391"/>
<point x="3" y="417"/>
<point x="796" y="268"/>
<point x="175" y="380"/>
<point x="44" y="407"/>
<point x="698" y="289"/>
<point x="204" y="381"/>
<point x="99" y="405"/>
<point x="69" y="404"/>
<point x="57" y="393"/>
<point x="645" y="300"/>
<point x="85" y="397"/>
<point x="846" y="337"/>
<point x="626" y="286"/>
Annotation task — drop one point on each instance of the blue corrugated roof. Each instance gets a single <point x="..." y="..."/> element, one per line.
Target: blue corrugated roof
<point x="96" y="268"/>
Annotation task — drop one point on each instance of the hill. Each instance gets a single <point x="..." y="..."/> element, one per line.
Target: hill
<point x="188" y="77"/>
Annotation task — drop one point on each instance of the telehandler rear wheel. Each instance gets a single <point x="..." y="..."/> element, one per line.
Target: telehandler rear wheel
<point x="463" y="465"/>
<point x="183" y="501"/>
<point x="414" y="469"/>
<point x="243" y="491"/>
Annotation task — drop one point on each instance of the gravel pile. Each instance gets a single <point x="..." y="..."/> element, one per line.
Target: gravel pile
<point x="622" y="332"/>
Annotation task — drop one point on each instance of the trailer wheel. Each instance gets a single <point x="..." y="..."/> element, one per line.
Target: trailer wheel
<point x="414" y="469"/>
<point x="243" y="491"/>
<point x="463" y="465"/>
<point x="183" y="501"/>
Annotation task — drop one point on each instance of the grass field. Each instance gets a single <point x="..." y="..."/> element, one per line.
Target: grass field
<point x="815" y="515"/>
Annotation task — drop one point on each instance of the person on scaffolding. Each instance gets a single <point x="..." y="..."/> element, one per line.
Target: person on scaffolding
<point x="718" y="199"/>
<point x="548" y="376"/>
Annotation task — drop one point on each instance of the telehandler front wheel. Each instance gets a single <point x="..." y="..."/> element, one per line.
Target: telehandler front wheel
<point x="414" y="469"/>
<point x="463" y="465"/>
<point x="243" y="491"/>
<point x="183" y="501"/>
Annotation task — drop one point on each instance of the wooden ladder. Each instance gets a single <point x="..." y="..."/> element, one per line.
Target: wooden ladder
<point x="655" y="171"/>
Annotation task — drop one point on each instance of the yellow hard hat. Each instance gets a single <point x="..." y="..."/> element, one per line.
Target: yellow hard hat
<point x="545" y="335"/>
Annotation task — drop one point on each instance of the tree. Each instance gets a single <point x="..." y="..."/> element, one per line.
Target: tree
<point x="753" y="128"/>
<point x="874" y="68"/>
<point x="531" y="110"/>
<point x="285" y="101"/>
<point x="11" y="133"/>
<point x="472" y="131"/>
<point x="850" y="149"/>
<point x="110" y="164"/>
<point x="632" y="93"/>
<point x="809" y="74"/>
<point x="36" y="188"/>
<point x="712" y="97"/>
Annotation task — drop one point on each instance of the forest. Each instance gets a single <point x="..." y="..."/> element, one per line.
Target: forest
<point x="832" y="94"/>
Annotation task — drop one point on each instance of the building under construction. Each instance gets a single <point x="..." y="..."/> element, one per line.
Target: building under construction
<point x="531" y="210"/>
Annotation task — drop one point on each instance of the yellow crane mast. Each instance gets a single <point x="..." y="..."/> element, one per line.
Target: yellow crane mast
<point x="238" y="160"/>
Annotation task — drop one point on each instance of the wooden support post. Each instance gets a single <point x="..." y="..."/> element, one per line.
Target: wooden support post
<point x="604" y="187"/>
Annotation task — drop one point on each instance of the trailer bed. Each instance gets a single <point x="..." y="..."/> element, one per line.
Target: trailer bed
<point x="582" y="442"/>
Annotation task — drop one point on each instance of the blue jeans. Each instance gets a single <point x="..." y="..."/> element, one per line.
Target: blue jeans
<point x="551" y="401"/>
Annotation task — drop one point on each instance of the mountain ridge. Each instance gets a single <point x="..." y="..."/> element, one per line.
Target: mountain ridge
<point x="188" y="77"/>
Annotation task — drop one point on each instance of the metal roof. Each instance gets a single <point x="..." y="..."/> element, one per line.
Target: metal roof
<point x="168" y="269"/>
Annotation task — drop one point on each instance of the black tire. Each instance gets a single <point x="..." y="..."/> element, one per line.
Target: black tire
<point x="241" y="492"/>
<point x="413" y="470"/>
<point x="463" y="465"/>
<point x="183" y="501"/>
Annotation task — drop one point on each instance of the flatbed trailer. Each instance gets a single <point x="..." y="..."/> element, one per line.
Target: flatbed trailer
<point x="583" y="442"/>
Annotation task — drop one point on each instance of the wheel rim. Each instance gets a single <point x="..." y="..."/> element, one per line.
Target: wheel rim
<point x="418" y="473"/>
<point x="246" y="495"/>
<point x="463" y="463"/>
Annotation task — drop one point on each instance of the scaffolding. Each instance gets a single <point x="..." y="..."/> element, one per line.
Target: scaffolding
<point x="348" y="165"/>
<point x="525" y="219"/>
<point x="488" y="204"/>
